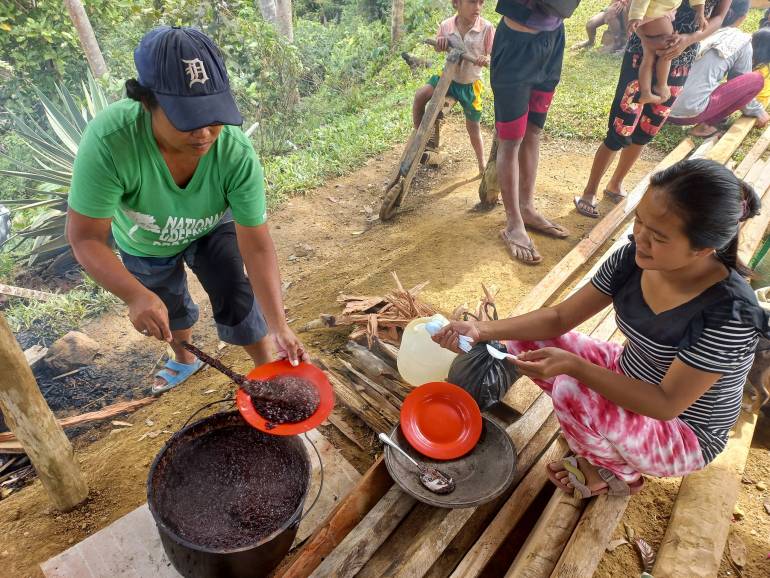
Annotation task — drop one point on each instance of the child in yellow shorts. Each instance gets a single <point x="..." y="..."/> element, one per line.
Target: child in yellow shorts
<point x="477" y="34"/>
<point x="653" y="21"/>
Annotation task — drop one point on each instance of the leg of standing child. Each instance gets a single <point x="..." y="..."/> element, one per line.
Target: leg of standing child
<point x="652" y="35"/>
<point x="645" y="74"/>
<point x="662" y="70"/>
<point x="592" y="26"/>
<point x="477" y="142"/>
<point x="421" y="98"/>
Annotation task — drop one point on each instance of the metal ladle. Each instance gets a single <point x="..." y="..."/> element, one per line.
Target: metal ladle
<point x="435" y="480"/>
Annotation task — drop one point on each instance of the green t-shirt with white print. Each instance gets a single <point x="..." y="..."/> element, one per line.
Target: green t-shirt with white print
<point x="119" y="173"/>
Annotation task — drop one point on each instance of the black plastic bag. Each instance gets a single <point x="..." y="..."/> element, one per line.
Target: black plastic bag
<point x="487" y="379"/>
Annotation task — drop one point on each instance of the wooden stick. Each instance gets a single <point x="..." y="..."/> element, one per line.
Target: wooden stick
<point x="35" y="355"/>
<point x="753" y="155"/>
<point x="349" y="512"/>
<point x="377" y="370"/>
<point x="587" y="544"/>
<point x="104" y="413"/>
<point x="357" y="404"/>
<point x="387" y="403"/>
<point x="700" y="521"/>
<point x="11" y="447"/>
<point x="432" y="111"/>
<point x="359" y="545"/>
<point x="509" y="515"/>
<point x="540" y="553"/>
<point x="346" y="430"/>
<point x="26" y="293"/>
<point x="31" y="420"/>
<point x="732" y="139"/>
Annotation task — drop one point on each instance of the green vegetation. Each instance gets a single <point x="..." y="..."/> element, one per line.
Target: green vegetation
<point x="57" y="316"/>
<point x="53" y="154"/>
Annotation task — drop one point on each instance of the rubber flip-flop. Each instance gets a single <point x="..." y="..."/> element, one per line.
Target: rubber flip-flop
<point x="615" y="486"/>
<point x="551" y="230"/>
<point x="529" y="249"/>
<point x="581" y="205"/>
<point x="616" y="198"/>
<point x="183" y="371"/>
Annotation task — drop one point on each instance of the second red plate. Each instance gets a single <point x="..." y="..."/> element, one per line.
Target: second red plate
<point x="441" y="420"/>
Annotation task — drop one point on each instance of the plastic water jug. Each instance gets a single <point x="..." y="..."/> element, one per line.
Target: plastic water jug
<point x="420" y="359"/>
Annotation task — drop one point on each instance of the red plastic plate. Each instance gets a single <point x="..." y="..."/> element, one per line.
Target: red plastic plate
<point x="283" y="367"/>
<point x="441" y="420"/>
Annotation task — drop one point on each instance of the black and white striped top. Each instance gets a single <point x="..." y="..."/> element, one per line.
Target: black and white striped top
<point x="716" y="332"/>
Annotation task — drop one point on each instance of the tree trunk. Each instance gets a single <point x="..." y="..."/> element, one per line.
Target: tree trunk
<point x="284" y="16"/>
<point x="29" y="417"/>
<point x="87" y="38"/>
<point x="278" y="13"/>
<point x="396" y="21"/>
<point x="268" y="10"/>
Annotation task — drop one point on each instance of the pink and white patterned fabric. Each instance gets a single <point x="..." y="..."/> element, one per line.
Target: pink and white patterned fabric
<point x="607" y="435"/>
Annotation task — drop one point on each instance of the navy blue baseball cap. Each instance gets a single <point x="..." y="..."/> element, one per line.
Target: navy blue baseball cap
<point x="185" y="71"/>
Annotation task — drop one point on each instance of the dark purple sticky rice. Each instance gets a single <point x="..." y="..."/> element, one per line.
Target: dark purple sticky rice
<point x="231" y="488"/>
<point x="293" y="399"/>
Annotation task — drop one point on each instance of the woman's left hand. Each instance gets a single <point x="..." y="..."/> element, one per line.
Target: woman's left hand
<point x="676" y="45"/>
<point x="546" y="362"/>
<point x="288" y="346"/>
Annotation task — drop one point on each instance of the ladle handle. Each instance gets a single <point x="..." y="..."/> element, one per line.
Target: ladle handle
<point x="387" y="441"/>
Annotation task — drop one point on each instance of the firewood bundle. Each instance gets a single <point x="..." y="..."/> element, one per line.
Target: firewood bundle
<point x="378" y="318"/>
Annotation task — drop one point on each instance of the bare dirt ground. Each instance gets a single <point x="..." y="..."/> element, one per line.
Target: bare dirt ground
<point x="436" y="237"/>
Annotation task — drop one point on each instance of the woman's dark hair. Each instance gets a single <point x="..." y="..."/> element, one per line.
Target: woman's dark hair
<point x="712" y="202"/>
<point x="139" y="93"/>
<point x="765" y="20"/>
<point x="760" y="45"/>
<point x="738" y="9"/>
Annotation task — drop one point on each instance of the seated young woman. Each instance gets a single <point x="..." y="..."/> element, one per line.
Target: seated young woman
<point x="663" y="403"/>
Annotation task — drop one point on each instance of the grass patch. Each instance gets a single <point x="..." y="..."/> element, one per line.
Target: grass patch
<point x="51" y="319"/>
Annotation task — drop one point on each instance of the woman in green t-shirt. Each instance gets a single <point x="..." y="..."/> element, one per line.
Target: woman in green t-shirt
<point x="170" y="174"/>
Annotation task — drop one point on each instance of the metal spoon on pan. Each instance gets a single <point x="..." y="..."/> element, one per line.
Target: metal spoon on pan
<point x="435" y="480"/>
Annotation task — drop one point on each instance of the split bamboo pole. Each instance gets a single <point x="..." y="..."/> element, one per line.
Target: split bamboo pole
<point x="32" y="421"/>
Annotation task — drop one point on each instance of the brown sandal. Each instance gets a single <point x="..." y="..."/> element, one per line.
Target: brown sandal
<point x="516" y="249"/>
<point x="586" y="208"/>
<point x="581" y="491"/>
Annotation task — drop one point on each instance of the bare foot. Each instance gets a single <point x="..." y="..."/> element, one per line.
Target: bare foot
<point x="663" y="92"/>
<point x="703" y="130"/>
<point x="521" y="247"/>
<point x="537" y="222"/>
<point x="647" y="97"/>
<point x="582" y="45"/>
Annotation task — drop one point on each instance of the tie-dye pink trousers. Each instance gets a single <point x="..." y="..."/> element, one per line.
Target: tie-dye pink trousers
<point x="607" y="435"/>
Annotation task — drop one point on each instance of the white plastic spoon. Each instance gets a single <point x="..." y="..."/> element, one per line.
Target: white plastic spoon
<point x="497" y="354"/>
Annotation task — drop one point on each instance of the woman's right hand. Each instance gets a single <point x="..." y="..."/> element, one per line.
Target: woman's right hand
<point x="442" y="44"/>
<point x="674" y="45"/>
<point x="149" y="316"/>
<point x="448" y="336"/>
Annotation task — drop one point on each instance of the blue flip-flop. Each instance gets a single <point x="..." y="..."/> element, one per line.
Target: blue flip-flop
<point x="183" y="371"/>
